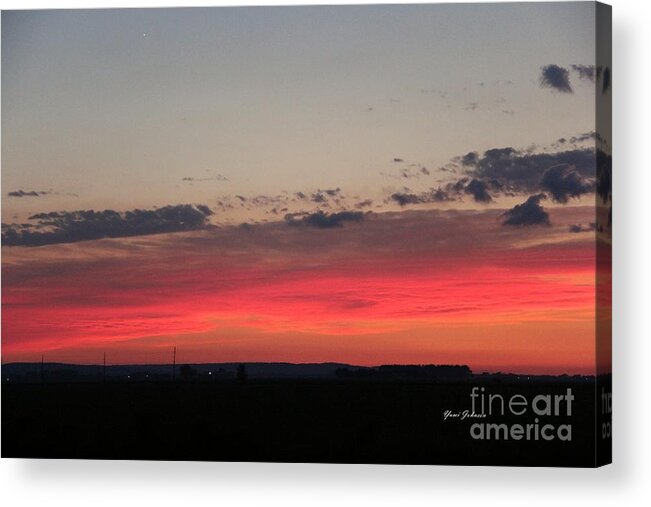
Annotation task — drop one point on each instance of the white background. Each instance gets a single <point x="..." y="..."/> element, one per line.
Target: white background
<point x="626" y="482"/>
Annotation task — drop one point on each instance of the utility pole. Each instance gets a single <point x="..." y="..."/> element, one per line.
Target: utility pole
<point x="174" y="365"/>
<point x="104" y="369"/>
<point x="42" y="374"/>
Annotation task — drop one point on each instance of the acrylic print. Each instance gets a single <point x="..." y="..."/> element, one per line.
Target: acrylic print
<point x="363" y="234"/>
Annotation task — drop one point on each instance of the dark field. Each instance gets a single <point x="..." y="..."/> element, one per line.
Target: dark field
<point x="286" y="420"/>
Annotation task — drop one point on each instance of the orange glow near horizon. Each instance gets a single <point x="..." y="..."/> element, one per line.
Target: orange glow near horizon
<point x="396" y="295"/>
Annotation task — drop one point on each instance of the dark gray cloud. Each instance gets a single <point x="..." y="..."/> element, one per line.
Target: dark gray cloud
<point x="432" y="195"/>
<point x="479" y="191"/>
<point x="558" y="78"/>
<point x="457" y="186"/>
<point x="470" y="158"/>
<point x="529" y="212"/>
<point x="453" y="191"/>
<point x="323" y="220"/>
<point x="332" y="192"/>
<point x="319" y="197"/>
<point x="555" y="77"/>
<point x="403" y="198"/>
<point x="276" y="211"/>
<point x="566" y="173"/>
<point x="580" y="138"/>
<point x="564" y="182"/>
<point x="364" y="204"/>
<point x="322" y="196"/>
<point x="72" y="226"/>
<point x="442" y="195"/>
<point x="262" y="201"/>
<point x="585" y="72"/>
<point x="271" y="204"/>
<point x="28" y="193"/>
<point x="520" y="171"/>
<point x="574" y="141"/>
<point x="413" y="171"/>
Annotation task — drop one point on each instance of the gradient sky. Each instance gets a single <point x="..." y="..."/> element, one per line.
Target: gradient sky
<point x="275" y="98"/>
<point x="255" y="113"/>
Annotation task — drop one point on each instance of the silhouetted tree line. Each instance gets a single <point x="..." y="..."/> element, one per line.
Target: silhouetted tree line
<point x="241" y="375"/>
<point x="187" y="372"/>
<point x="397" y="371"/>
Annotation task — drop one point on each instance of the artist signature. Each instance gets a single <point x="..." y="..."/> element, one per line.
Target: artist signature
<point x="464" y="414"/>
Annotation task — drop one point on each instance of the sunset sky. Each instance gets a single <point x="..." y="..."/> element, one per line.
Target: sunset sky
<point x="369" y="185"/>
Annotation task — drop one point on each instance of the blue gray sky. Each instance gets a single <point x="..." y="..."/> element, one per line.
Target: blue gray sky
<point x="145" y="107"/>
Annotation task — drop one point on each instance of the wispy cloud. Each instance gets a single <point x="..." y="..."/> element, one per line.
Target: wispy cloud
<point x="192" y="179"/>
<point x="28" y="193"/>
<point x="585" y="72"/>
<point x="323" y="220"/>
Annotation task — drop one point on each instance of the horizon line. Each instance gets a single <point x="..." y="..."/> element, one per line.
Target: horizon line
<point x="472" y="372"/>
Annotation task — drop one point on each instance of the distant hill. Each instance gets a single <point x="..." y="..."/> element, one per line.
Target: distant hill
<point x="80" y="372"/>
<point x="63" y="372"/>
